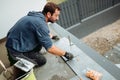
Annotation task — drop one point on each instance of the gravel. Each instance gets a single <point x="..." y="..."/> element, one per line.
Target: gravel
<point x="105" y="38"/>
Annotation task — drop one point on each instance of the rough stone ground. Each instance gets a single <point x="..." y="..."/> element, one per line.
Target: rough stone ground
<point x="105" y="38"/>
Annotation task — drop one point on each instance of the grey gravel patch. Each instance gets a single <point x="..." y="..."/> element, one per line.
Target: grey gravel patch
<point x="113" y="55"/>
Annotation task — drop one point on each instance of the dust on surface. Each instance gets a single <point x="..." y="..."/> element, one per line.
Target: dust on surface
<point x="105" y="38"/>
<point x="57" y="77"/>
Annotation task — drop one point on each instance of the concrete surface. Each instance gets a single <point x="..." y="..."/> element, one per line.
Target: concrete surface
<point x="99" y="59"/>
<point x="57" y="69"/>
<point x="54" y="69"/>
<point x="85" y="57"/>
<point x="81" y="61"/>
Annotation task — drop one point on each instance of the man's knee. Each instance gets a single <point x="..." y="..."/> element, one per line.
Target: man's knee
<point x="41" y="61"/>
<point x="11" y="59"/>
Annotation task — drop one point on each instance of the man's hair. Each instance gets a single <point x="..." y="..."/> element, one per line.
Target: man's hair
<point x="50" y="7"/>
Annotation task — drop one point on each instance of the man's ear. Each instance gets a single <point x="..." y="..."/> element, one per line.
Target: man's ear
<point x="48" y="14"/>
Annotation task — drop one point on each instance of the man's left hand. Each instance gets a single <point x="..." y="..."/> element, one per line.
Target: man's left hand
<point x="55" y="37"/>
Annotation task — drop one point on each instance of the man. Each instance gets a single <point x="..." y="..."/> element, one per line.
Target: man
<point x="26" y="38"/>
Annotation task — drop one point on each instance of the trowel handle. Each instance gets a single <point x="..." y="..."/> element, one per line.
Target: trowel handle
<point x="1" y="63"/>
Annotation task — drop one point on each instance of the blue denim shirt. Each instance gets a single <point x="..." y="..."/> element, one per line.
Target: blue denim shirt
<point x="28" y="33"/>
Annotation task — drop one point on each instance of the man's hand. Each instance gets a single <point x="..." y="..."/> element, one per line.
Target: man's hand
<point x="55" y="37"/>
<point x="68" y="55"/>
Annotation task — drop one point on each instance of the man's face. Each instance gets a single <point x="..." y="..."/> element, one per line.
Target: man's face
<point x="53" y="18"/>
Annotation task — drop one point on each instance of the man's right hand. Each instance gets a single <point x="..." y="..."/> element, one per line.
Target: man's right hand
<point x="68" y="55"/>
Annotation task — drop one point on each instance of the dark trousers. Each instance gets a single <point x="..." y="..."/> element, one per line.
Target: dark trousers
<point x="34" y="56"/>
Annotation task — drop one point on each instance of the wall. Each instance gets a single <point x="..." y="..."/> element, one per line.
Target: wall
<point x="12" y="10"/>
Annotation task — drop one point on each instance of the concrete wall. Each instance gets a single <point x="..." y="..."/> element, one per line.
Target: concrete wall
<point x="12" y="10"/>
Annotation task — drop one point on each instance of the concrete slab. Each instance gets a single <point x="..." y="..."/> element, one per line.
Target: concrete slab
<point x="54" y="69"/>
<point x="81" y="61"/>
<point x="57" y="69"/>
<point x="99" y="59"/>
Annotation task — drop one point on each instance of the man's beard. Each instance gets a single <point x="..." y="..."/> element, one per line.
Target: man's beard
<point x="49" y="20"/>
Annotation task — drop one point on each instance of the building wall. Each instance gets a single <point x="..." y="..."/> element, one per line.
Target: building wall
<point x="12" y="10"/>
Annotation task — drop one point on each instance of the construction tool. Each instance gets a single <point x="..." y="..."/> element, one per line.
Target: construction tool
<point x="3" y="65"/>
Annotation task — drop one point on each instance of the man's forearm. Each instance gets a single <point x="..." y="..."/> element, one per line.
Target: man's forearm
<point x="56" y="51"/>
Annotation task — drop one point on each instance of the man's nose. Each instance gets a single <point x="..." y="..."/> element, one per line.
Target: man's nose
<point x="57" y="18"/>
